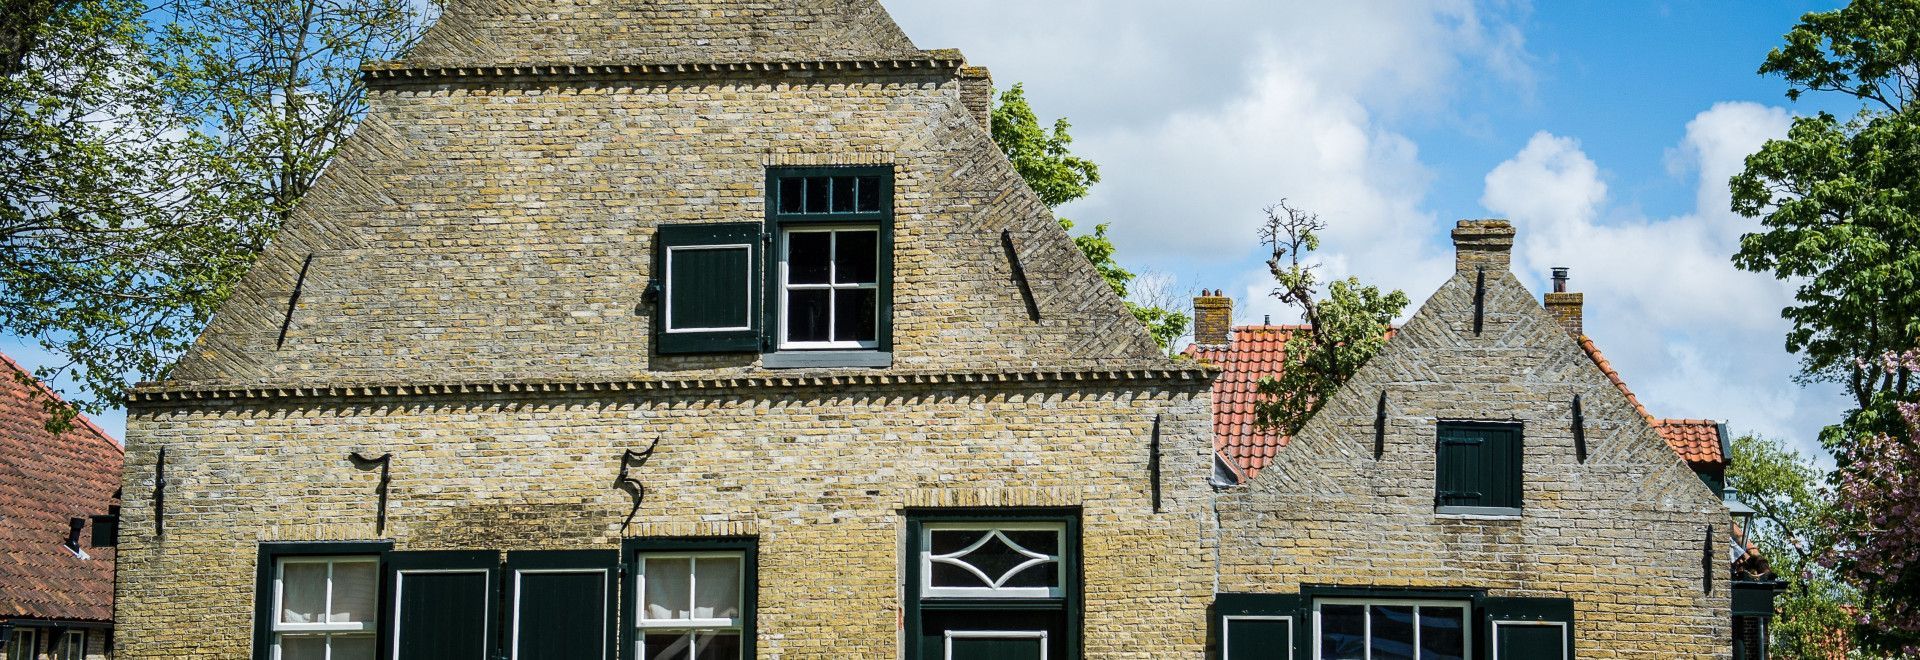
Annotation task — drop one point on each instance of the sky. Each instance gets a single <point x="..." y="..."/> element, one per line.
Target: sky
<point x="1605" y="131"/>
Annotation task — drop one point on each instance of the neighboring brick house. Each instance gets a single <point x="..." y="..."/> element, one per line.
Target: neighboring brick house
<point x="721" y="329"/>
<point x="56" y="568"/>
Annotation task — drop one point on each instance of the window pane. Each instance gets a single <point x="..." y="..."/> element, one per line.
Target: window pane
<point x="356" y="587"/>
<point x="1042" y="541"/>
<point x="946" y="574"/>
<point x="667" y="588"/>
<point x="20" y="645"/>
<point x="303" y="648"/>
<point x="791" y="194"/>
<point x="1392" y="632"/>
<point x="355" y="647"/>
<point x="1038" y="575"/>
<point x="808" y="254"/>
<point x="853" y="258"/>
<point x="949" y="541"/>
<point x="854" y="315"/>
<point x="995" y="558"/>
<point x="807" y="315"/>
<point x="717" y="646"/>
<point x="869" y="194"/>
<point x="667" y="646"/>
<point x="303" y="592"/>
<point x="1441" y="634"/>
<point x="817" y="194"/>
<point x="716" y="584"/>
<point x="1343" y="630"/>
<point x="842" y="194"/>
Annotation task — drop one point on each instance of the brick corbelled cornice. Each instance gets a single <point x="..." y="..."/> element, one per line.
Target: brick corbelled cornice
<point x="943" y="62"/>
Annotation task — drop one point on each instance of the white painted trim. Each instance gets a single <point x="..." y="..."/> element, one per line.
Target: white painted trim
<point x="1565" y="653"/>
<point x="28" y="635"/>
<point x="513" y="649"/>
<point x="1465" y="607"/>
<point x="996" y="634"/>
<point x="926" y="558"/>
<point x="693" y="590"/>
<point x="1226" y="631"/>
<point x="833" y="248"/>
<point x="328" y="631"/>
<point x="667" y="304"/>
<point x="400" y="584"/>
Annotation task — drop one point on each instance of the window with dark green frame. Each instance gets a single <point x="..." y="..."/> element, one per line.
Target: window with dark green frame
<point x="691" y="598"/>
<point x="830" y="269"/>
<point x="318" y="601"/>
<point x="993" y="583"/>
<point x="1478" y="468"/>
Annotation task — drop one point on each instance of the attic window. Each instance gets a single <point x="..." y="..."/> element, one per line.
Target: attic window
<point x="830" y="280"/>
<point x="1477" y="468"/>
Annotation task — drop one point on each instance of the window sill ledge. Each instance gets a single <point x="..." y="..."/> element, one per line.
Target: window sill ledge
<point x="1476" y="513"/>
<point x="826" y="359"/>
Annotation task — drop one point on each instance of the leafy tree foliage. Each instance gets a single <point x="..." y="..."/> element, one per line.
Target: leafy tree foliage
<point x="150" y="151"/>
<point x="1045" y="160"/>
<point x="1876" y="526"/>
<point x="1793" y="512"/>
<point x="1344" y="329"/>
<point x="1839" y="203"/>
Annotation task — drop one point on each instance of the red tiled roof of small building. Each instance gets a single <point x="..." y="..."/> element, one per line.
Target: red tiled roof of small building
<point x="46" y="479"/>
<point x="1258" y="351"/>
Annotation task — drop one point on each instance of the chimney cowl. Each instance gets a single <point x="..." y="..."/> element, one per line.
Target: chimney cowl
<point x="1567" y="308"/>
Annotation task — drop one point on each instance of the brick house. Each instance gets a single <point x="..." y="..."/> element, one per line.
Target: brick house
<point x="56" y="558"/>
<point x="721" y="329"/>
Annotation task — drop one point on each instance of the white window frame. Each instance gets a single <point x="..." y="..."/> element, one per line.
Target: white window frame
<point x="31" y="639"/>
<point x="1041" y="635"/>
<point x="400" y="585"/>
<point x="927" y="559"/>
<point x="671" y="329"/>
<point x="833" y="306"/>
<point x="513" y="647"/>
<point x="327" y="631"/>
<point x="1465" y="607"/>
<point x="1226" y="631"/>
<point x="643" y="625"/>
<point x="1565" y="652"/>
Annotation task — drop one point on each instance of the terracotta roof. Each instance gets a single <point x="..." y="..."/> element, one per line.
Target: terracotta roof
<point x="1257" y="351"/>
<point x="45" y="480"/>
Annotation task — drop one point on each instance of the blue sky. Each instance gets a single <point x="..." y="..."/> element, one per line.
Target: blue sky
<point x="1605" y="130"/>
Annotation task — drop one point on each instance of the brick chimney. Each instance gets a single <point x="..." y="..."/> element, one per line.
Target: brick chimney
<point x="1566" y="307"/>
<point x="1482" y="244"/>
<point x="976" y="93"/>
<point x="1212" y="318"/>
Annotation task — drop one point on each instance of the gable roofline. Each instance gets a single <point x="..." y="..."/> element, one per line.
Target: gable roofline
<point x="941" y="62"/>
<point x="80" y="420"/>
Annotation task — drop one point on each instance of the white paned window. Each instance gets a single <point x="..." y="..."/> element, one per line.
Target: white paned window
<point x="1369" y="629"/>
<point x="73" y="646"/>
<point x="991" y="560"/>
<point x="21" y="644"/>
<point x="690" y="606"/>
<point x="830" y="288"/>
<point x="325" y="608"/>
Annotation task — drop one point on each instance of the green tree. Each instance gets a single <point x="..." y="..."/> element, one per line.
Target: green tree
<point x="1044" y="158"/>
<point x="1345" y="328"/>
<point x="151" y="150"/>
<point x="1839" y="205"/>
<point x="1792" y="512"/>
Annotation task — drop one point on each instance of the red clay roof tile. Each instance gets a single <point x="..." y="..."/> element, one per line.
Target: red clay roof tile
<point x="45" y="480"/>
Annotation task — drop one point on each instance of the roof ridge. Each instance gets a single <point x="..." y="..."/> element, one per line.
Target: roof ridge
<point x="79" y="417"/>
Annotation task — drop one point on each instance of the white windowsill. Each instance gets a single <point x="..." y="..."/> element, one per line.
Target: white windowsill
<point x="1477" y="513"/>
<point x="826" y="359"/>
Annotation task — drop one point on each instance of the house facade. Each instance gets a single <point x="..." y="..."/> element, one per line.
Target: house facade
<point x="58" y="491"/>
<point x="721" y="329"/>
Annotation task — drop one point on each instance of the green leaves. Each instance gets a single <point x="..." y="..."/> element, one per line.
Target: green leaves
<point x="1868" y="49"/>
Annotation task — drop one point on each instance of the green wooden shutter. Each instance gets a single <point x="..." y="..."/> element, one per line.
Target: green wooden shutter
<point x="1259" y="626"/>
<point x="444" y="605"/>
<point x="1528" y="628"/>
<point x="708" y="281"/>
<point x="560" y="604"/>
<point x="1478" y="466"/>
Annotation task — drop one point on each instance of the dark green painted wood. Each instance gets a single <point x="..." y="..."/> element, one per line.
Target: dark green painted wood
<point x="927" y="619"/>
<point x="708" y="289"/>
<point x="1530" y="642"/>
<point x="1259" y="639"/>
<point x="996" y="649"/>
<point x="560" y="605"/>
<point x="881" y="216"/>
<point x="442" y="616"/>
<point x="1478" y="465"/>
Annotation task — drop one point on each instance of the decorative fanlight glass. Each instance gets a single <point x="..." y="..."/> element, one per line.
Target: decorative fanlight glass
<point x="991" y="561"/>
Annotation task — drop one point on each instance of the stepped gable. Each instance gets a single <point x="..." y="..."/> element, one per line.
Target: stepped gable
<point x="539" y="32"/>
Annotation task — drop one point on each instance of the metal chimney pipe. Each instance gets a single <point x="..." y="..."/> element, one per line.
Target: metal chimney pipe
<point x="1560" y="279"/>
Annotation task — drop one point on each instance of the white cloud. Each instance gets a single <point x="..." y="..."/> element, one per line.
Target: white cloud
<point x="1695" y="336"/>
